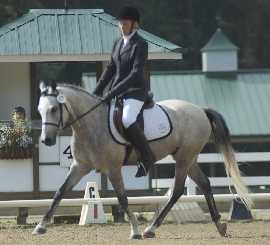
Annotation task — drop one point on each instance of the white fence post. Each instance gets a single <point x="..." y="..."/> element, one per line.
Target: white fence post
<point x="191" y="187"/>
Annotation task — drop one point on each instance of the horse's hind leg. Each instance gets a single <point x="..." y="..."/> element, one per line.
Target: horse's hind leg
<point x="203" y="182"/>
<point x="181" y="168"/>
<point x="116" y="179"/>
<point x="74" y="176"/>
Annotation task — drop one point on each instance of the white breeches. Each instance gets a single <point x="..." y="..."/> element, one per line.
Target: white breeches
<point x="131" y="110"/>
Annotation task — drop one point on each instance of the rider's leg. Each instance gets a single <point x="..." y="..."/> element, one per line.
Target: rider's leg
<point x="132" y="108"/>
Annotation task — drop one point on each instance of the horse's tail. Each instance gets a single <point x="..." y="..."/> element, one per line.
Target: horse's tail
<point x="222" y="139"/>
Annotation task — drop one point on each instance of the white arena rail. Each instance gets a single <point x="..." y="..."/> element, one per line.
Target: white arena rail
<point x="215" y="182"/>
<point x="165" y="183"/>
<point x="218" y="181"/>
<point x="217" y="157"/>
<point x="132" y="200"/>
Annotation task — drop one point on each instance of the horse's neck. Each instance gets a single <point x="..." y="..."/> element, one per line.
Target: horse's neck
<point x="79" y="102"/>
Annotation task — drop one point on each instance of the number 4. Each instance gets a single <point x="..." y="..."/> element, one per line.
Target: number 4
<point x="67" y="151"/>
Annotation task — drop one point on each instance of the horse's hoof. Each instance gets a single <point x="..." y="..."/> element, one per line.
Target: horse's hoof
<point x="135" y="237"/>
<point x="222" y="229"/>
<point x="39" y="230"/>
<point x="148" y="234"/>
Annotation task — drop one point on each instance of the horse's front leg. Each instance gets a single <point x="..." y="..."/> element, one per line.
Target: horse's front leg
<point x="116" y="179"/>
<point x="74" y="176"/>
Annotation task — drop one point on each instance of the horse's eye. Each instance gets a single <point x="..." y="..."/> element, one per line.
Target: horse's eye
<point x="54" y="109"/>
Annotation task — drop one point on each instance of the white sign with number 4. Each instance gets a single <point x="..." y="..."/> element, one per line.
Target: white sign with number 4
<point x="65" y="151"/>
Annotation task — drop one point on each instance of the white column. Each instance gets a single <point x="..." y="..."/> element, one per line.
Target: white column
<point x="191" y="187"/>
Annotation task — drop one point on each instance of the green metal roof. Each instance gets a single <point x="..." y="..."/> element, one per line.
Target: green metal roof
<point x="69" y="32"/>
<point x="243" y="100"/>
<point x="219" y="41"/>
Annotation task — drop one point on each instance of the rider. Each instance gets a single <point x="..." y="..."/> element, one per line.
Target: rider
<point x="125" y="74"/>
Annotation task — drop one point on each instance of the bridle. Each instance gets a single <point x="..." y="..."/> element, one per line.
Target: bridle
<point x="60" y="124"/>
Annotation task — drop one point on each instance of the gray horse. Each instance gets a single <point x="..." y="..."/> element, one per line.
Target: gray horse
<point x="93" y="148"/>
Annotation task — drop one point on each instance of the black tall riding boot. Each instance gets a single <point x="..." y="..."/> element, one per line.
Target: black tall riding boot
<point x="138" y="140"/>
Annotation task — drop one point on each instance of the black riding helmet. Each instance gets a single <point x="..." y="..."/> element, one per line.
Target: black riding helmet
<point x="129" y="13"/>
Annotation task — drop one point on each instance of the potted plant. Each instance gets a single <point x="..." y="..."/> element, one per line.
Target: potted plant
<point x="16" y="140"/>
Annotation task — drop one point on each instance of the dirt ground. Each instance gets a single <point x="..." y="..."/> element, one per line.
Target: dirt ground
<point x="256" y="232"/>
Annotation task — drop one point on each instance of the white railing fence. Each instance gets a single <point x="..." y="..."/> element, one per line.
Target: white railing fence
<point x="132" y="200"/>
<point x="250" y="157"/>
<point x="165" y="183"/>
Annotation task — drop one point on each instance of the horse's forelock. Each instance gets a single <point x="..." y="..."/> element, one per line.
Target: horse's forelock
<point x="52" y="84"/>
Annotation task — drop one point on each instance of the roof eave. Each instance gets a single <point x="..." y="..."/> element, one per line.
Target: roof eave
<point x="219" y="49"/>
<point x="80" y="57"/>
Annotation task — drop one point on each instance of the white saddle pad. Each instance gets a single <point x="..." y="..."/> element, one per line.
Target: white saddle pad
<point x="157" y="124"/>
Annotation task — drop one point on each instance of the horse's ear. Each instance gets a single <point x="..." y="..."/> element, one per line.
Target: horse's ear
<point x="42" y="87"/>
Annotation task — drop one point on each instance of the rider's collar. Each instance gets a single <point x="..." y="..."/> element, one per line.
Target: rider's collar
<point x="126" y="38"/>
